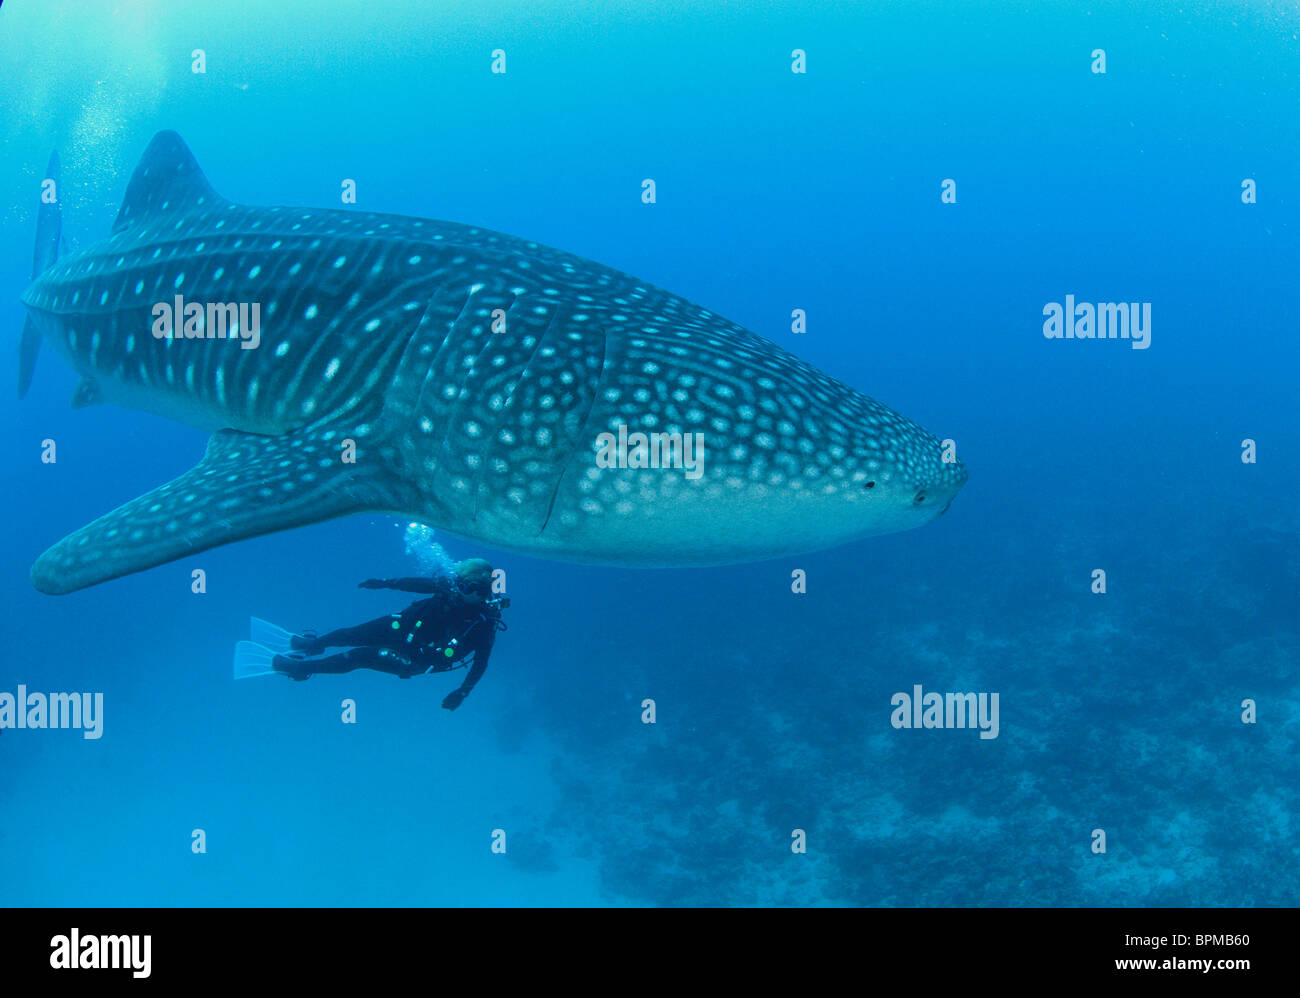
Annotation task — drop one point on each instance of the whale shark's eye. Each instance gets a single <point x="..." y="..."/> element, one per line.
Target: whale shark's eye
<point x="920" y="498"/>
<point x="871" y="485"/>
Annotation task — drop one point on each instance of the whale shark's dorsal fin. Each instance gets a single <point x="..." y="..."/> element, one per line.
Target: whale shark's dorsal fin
<point x="167" y="180"/>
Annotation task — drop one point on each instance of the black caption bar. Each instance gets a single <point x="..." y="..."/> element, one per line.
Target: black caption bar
<point x="144" y="948"/>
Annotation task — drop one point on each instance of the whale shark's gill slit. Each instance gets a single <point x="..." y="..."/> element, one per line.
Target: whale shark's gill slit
<point x="466" y="360"/>
<point x="582" y="428"/>
<point x="437" y="346"/>
<point x="550" y="505"/>
<point x="458" y="406"/>
<point x="520" y="373"/>
<point x="500" y="351"/>
<point x="472" y="373"/>
<point x="541" y="338"/>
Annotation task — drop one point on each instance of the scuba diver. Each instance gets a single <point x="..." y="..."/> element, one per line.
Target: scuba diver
<point x="453" y="627"/>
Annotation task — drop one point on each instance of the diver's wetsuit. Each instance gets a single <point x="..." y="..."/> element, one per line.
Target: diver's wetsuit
<point x="413" y="642"/>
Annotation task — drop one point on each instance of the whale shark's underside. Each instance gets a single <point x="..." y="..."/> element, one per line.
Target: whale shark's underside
<point x="452" y="375"/>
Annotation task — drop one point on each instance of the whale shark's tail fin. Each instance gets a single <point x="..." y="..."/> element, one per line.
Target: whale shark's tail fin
<point x="49" y="220"/>
<point x="245" y="486"/>
<point x="49" y="229"/>
<point x="28" y="349"/>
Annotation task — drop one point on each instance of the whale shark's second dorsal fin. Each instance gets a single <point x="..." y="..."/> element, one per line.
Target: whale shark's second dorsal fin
<point x="166" y="180"/>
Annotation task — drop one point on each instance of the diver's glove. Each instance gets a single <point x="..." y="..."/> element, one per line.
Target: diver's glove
<point x="454" y="699"/>
<point x="371" y="584"/>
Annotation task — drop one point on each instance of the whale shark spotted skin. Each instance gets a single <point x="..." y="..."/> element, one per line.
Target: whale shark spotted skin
<point x="456" y="376"/>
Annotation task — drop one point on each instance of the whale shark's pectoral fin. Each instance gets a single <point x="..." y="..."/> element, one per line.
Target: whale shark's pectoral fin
<point x="246" y="485"/>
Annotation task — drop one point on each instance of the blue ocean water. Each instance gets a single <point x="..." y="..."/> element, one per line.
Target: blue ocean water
<point x="1120" y="712"/>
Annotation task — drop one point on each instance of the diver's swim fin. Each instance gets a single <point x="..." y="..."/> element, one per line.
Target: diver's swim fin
<point x="252" y="660"/>
<point x="266" y="634"/>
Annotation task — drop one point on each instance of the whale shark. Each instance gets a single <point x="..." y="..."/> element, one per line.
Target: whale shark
<point x="449" y="374"/>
